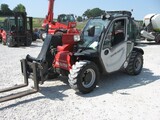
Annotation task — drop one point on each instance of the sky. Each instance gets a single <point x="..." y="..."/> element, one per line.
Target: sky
<point x="39" y="8"/>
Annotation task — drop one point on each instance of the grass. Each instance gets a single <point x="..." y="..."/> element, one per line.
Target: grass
<point x="37" y="23"/>
<point x="2" y="19"/>
<point x="157" y="30"/>
<point x="80" y="25"/>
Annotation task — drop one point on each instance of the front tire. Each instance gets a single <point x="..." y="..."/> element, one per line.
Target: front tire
<point x="135" y="63"/>
<point x="10" y="41"/>
<point x="83" y="76"/>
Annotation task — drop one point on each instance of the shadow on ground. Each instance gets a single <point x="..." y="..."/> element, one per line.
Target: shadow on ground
<point x="119" y="81"/>
<point x="107" y="85"/>
<point x="52" y="92"/>
<point x="146" y="43"/>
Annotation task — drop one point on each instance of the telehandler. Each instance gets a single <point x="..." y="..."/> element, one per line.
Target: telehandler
<point x="65" y="23"/>
<point x="105" y="45"/>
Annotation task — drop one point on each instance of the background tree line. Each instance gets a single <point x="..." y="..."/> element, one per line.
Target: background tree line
<point x="19" y="8"/>
<point x="86" y="15"/>
<point x="90" y="13"/>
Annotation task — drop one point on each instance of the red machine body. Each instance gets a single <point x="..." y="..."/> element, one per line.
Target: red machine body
<point x="65" y="22"/>
<point x="64" y="53"/>
<point x="3" y="35"/>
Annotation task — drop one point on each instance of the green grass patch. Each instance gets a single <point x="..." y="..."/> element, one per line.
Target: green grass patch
<point x="37" y="22"/>
<point x="2" y="19"/>
<point x="157" y="30"/>
<point x="80" y="25"/>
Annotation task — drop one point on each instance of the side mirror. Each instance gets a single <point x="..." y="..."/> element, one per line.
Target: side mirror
<point x="91" y="31"/>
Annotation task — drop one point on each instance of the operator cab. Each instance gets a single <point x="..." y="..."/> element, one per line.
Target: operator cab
<point x="66" y="18"/>
<point x="111" y="35"/>
<point x="92" y="32"/>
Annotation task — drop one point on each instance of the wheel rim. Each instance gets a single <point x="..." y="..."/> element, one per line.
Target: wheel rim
<point x="138" y="64"/>
<point x="88" y="78"/>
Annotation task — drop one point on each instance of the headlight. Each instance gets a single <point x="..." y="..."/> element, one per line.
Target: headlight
<point x="76" y="38"/>
<point x="44" y="35"/>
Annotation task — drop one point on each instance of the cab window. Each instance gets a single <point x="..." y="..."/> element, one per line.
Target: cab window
<point x="115" y="34"/>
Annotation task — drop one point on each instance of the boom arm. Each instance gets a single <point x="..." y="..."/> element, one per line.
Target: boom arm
<point x="50" y="11"/>
<point x="49" y="17"/>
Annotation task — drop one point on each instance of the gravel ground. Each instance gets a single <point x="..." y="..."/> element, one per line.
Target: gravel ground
<point x="117" y="97"/>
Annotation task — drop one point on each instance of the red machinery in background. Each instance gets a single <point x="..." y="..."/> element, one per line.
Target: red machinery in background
<point x="66" y="23"/>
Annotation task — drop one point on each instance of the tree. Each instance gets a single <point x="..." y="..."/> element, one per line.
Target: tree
<point x="87" y="13"/>
<point x="19" y="8"/>
<point x="79" y="19"/>
<point x="5" y="8"/>
<point x="93" y="12"/>
<point x="97" y="12"/>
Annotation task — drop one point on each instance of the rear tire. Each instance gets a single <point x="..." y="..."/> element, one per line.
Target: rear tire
<point x="28" y="41"/>
<point x="83" y="76"/>
<point x="135" y="63"/>
<point x="157" y="39"/>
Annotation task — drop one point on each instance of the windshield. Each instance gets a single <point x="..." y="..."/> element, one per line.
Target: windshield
<point x="66" y="18"/>
<point x="8" y="22"/>
<point x="92" y="32"/>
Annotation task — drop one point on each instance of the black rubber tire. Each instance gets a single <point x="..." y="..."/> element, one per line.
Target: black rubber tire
<point x="135" y="63"/>
<point x="28" y="41"/>
<point x="157" y="39"/>
<point x="83" y="70"/>
<point x="10" y="41"/>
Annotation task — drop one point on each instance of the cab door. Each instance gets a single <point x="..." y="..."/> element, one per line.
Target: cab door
<point x="29" y="24"/>
<point x="114" y="46"/>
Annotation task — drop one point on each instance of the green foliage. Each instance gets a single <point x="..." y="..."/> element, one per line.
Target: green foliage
<point x="93" y="12"/>
<point x="87" y="13"/>
<point x="19" y="8"/>
<point x="79" y="19"/>
<point x="5" y="8"/>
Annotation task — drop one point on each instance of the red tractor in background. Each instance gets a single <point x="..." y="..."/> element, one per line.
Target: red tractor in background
<point x="66" y="23"/>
